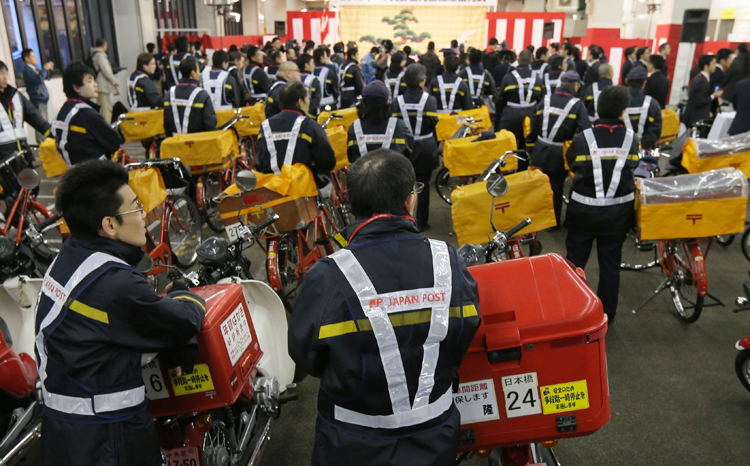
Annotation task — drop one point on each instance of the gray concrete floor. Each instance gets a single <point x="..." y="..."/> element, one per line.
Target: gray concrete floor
<point x="675" y="397"/>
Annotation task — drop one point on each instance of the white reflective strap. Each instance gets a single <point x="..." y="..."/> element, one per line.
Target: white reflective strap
<point x="327" y="98"/>
<point x="562" y="114"/>
<point x="621" y="153"/>
<point x="549" y="82"/>
<point x="389" y="130"/>
<point x="543" y="67"/>
<point x="395" y="83"/>
<point x="478" y="88"/>
<point x="132" y="94"/>
<point x="361" y="143"/>
<point x="382" y="328"/>
<point x="622" y="157"/>
<point x="448" y="103"/>
<point x="642" y="113"/>
<point x="401" y="419"/>
<point x="515" y="105"/>
<point x="59" y="295"/>
<point x="12" y="131"/>
<point x="309" y="80"/>
<point x="347" y="88"/>
<point x="596" y="162"/>
<point x="64" y="127"/>
<point x="603" y="201"/>
<point x="267" y="133"/>
<point x="215" y="88"/>
<point x="524" y="96"/>
<point x="596" y="93"/>
<point x="274" y="85"/>
<point x="423" y="137"/>
<point x="248" y="78"/>
<point x="383" y="139"/>
<point x="342" y="76"/>
<point x="182" y="128"/>
<point x="419" y="107"/>
<point x="290" y="136"/>
<point x="176" y="75"/>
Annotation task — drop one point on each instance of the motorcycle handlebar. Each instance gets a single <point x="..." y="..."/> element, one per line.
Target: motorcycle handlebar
<point x="512" y="232"/>
<point x="43" y="226"/>
<point x="265" y="223"/>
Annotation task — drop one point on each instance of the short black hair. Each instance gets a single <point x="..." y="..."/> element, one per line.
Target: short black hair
<point x="454" y="44"/>
<point x="431" y="45"/>
<point x="723" y="54"/>
<point x="3" y="66"/>
<point x="291" y="93"/>
<point x="636" y="83"/>
<point x="26" y="53"/>
<point x="275" y="39"/>
<point x="555" y="46"/>
<point x="658" y="61"/>
<point x="556" y="62"/>
<point x="595" y="51"/>
<point x="375" y="50"/>
<point x="220" y="57"/>
<point x="374" y="109"/>
<point x="704" y="61"/>
<point x="233" y="48"/>
<point x="150" y="47"/>
<point x="197" y="44"/>
<point x="388" y="45"/>
<point x="524" y="58"/>
<point x="303" y="60"/>
<point x="541" y="51"/>
<point x="414" y="75"/>
<point x="663" y="46"/>
<point x="187" y="65"/>
<point x="570" y="48"/>
<point x="640" y="52"/>
<point x="475" y="56"/>
<point x="274" y="57"/>
<point x="451" y="63"/>
<point x="318" y="55"/>
<point x="351" y="51"/>
<point x="251" y="51"/>
<point x="338" y="47"/>
<point x="379" y="183"/>
<point x="629" y="51"/>
<point x="171" y="47"/>
<point x="493" y="41"/>
<point x="100" y="41"/>
<point x="613" y="101"/>
<point x="73" y="75"/>
<point x="182" y="43"/>
<point x="234" y="56"/>
<point x="407" y="50"/>
<point x="87" y="193"/>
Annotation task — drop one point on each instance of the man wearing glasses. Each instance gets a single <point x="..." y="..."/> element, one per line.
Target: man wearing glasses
<point x="96" y="316"/>
<point x="288" y="72"/>
<point x="385" y="323"/>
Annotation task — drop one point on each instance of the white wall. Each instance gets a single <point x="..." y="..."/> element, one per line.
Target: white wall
<point x="250" y="21"/>
<point x="205" y="18"/>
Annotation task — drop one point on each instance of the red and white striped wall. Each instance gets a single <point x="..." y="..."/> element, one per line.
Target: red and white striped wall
<point x="523" y="29"/>
<point x="304" y="26"/>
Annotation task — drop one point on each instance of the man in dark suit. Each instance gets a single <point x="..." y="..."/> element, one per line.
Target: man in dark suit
<point x="592" y="74"/>
<point x="641" y="57"/>
<point x="700" y="96"/>
<point x="657" y="85"/>
<point x="629" y="61"/>
<point x="718" y="78"/>
<point x="741" y="103"/>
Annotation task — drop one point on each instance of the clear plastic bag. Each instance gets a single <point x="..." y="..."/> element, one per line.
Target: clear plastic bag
<point x="737" y="144"/>
<point x="725" y="183"/>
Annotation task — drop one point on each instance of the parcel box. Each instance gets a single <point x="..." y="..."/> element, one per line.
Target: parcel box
<point x="670" y="126"/>
<point x="464" y="157"/>
<point x="449" y="123"/>
<point x="249" y="126"/>
<point x="144" y="125"/>
<point x="536" y="369"/>
<point x="228" y="353"/>
<point x="692" y="206"/>
<point x="700" y="155"/>
<point x="529" y="195"/>
<point x="202" y="152"/>
<point x="348" y="115"/>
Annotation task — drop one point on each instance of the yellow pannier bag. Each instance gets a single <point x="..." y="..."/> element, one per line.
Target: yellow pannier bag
<point x="208" y="151"/>
<point x="449" y="123"/>
<point x="52" y="161"/>
<point x="348" y="114"/>
<point x="526" y="127"/>
<point x="529" y="195"/>
<point x="148" y="185"/>
<point x="692" y="206"/>
<point x="670" y="125"/>
<point x="463" y="157"/>
<point x="700" y="155"/>
<point x="144" y="125"/>
<point x="337" y="136"/>
<point x="246" y="126"/>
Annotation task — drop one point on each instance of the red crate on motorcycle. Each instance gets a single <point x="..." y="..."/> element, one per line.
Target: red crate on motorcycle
<point x="537" y="368"/>
<point x="228" y="353"/>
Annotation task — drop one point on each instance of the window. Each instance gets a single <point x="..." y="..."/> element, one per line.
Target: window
<point x="58" y="30"/>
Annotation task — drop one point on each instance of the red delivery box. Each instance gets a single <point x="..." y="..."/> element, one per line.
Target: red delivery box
<point x="537" y="368"/>
<point x="228" y="353"/>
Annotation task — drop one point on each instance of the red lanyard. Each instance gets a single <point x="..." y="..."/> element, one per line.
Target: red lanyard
<point x="376" y="217"/>
<point x="610" y="128"/>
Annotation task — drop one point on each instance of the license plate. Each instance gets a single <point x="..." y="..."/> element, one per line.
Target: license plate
<point x="184" y="456"/>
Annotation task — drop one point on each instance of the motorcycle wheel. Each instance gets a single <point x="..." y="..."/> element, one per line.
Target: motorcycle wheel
<point x="216" y="448"/>
<point x="445" y="184"/>
<point x="184" y="231"/>
<point x="742" y="367"/>
<point x="212" y="187"/>
<point x="725" y="240"/>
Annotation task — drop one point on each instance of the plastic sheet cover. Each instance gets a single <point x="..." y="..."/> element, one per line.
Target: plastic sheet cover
<point x="726" y="183"/>
<point x="737" y="144"/>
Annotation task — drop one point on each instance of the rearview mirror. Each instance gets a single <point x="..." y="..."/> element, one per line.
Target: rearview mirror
<point x="28" y="178"/>
<point x="497" y="185"/>
<point x="246" y="180"/>
<point x="146" y="264"/>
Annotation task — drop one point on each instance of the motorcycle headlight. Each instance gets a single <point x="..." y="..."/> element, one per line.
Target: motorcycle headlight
<point x="471" y="254"/>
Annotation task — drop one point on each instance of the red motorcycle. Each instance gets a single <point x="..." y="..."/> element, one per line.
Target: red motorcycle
<point x="742" y="361"/>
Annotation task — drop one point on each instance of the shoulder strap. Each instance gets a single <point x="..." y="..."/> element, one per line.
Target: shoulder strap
<point x="359" y="134"/>
<point x="389" y="130"/>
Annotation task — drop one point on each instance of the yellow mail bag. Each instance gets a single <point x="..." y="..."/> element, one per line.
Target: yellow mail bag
<point x="529" y="195"/>
<point x="700" y="155"/>
<point x="144" y="125"/>
<point x="148" y="185"/>
<point x="692" y="206"/>
<point x="449" y="123"/>
<point x="338" y="137"/>
<point x="670" y="125"/>
<point x="348" y="114"/>
<point x="463" y="157"/>
<point x="246" y="126"/>
<point x="212" y="150"/>
<point x="52" y="161"/>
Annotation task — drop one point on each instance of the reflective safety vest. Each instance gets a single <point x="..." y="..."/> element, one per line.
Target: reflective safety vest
<point x="213" y="82"/>
<point x="290" y="136"/>
<point x="342" y="75"/>
<point x="540" y="71"/>
<point x="309" y="80"/>
<point x="12" y="131"/>
<point x="395" y="83"/>
<point x="384" y="139"/>
<point x="419" y="107"/>
<point x="271" y="76"/>
<point x="248" y="77"/>
<point x="596" y="93"/>
<point x="133" y="96"/>
<point x="524" y="94"/>
<point x="548" y="83"/>
<point x="62" y="296"/>
<point x="64" y="127"/>
<point x="642" y="111"/>
<point x="174" y="69"/>
<point x="182" y="127"/>
<point x="447" y="103"/>
<point x="377" y="307"/>
<point x="326" y="99"/>
<point x="548" y="136"/>
<point x="476" y="92"/>
<point x="606" y="197"/>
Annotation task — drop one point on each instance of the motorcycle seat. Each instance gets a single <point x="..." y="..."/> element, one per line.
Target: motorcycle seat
<point x="6" y="333"/>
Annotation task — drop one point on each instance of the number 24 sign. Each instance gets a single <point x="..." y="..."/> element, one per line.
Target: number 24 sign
<point x="521" y="395"/>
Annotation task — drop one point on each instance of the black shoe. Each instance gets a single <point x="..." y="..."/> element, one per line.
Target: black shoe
<point x="610" y="320"/>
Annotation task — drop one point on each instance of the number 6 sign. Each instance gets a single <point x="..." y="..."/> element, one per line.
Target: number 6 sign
<point x="521" y="393"/>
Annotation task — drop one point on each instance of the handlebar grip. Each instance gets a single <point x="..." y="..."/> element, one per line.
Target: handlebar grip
<point x="510" y="233"/>
<point x="265" y="223"/>
<point x="42" y="226"/>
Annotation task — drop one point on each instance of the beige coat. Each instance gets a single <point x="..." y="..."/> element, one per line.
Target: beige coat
<point x="106" y="79"/>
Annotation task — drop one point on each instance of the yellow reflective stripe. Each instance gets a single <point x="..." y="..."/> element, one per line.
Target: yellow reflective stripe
<point x="633" y="157"/>
<point x="461" y="93"/>
<point x="269" y="99"/>
<point x="539" y="112"/>
<point x="591" y="97"/>
<point x="138" y="89"/>
<point x="351" y="143"/>
<point x="396" y="140"/>
<point x="431" y="114"/>
<point x="651" y="119"/>
<point x="191" y="299"/>
<point x="166" y="104"/>
<point x="349" y="75"/>
<point x="90" y="312"/>
<point x="228" y="86"/>
<point x="306" y="137"/>
<point x="511" y="87"/>
<point x="530" y="144"/>
<point x="78" y="129"/>
<point x="582" y="158"/>
<point x="537" y="88"/>
<point x="397" y="114"/>
<point x="572" y="115"/>
<point x="397" y="320"/>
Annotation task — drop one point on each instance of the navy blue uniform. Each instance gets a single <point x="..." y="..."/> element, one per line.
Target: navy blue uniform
<point x="273" y="102"/>
<point x="462" y="99"/>
<point x="172" y="75"/>
<point x="202" y="115"/>
<point x="81" y="133"/>
<point x="352" y="83"/>
<point x="373" y="132"/>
